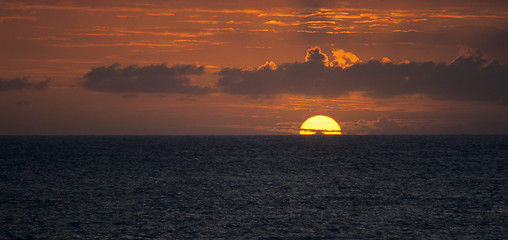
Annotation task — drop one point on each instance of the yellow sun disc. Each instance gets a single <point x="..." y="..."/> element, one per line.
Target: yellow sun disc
<point x="320" y="124"/>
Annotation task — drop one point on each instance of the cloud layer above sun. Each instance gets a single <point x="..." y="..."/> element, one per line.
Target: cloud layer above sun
<point x="471" y="76"/>
<point x="468" y="77"/>
<point x="151" y="79"/>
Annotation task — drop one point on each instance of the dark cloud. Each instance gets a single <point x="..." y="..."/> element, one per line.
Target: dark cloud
<point x="315" y="55"/>
<point x="382" y="125"/>
<point x="22" y="83"/>
<point x="148" y="79"/>
<point x="470" y="76"/>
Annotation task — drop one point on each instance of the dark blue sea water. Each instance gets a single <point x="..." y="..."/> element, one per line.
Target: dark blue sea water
<point x="231" y="187"/>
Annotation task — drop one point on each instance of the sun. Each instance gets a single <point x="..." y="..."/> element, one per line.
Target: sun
<point x="319" y="125"/>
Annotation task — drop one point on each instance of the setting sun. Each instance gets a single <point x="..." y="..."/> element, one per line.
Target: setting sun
<point x="318" y="125"/>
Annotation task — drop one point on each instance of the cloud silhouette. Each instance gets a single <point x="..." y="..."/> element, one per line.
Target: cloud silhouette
<point x="315" y="55"/>
<point x="382" y="125"/>
<point x="471" y="76"/>
<point x="148" y="79"/>
<point x="22" y="83"/>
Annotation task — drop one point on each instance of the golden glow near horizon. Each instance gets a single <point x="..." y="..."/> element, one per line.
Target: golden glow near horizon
<point x="320" y="124"/>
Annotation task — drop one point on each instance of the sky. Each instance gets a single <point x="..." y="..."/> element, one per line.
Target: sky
<point x="252" y="67"/>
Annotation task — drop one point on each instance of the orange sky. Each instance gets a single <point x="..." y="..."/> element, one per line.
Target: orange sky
<point x="253" y="67"/>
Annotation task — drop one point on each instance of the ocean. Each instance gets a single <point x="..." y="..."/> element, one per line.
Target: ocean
<point x="260" y="187"/>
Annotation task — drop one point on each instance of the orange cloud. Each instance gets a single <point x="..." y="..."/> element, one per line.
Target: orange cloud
<point x="108" y="31"/>
<point x="203" y="21"/>
<point x="63" y="7"/>
<point x="268" y="65"/>
<point x="344" y="59"/>
<point x="181" y="43"/>
<point x="165" y="14"/>
<point x="238" y="22"/>
<point x="405" y="31"/>
<point x="221" y="29"/>
<point x="256" y="47"/>
<point x="385" y="60"/>
<point x="279" y="23"/>
<point x="202" y="10"/>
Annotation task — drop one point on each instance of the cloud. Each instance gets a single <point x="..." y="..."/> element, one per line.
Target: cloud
<point x="22" y="83"/>
<point x="165" y="14"/>
<point x="271" y="65"/>
<point x="471" y="76"/>
<point x="148" y="79"/>
<point x="7" y="18"/>
<point x="316" y="55"/>
<point x="385" y="125"/>
<point x="382" y="125"/>
<point x="344" y="59"/>
<point x="279" y="23"/>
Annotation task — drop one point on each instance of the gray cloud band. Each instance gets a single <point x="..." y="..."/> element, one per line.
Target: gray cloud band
<point x="150" y="79"/>
<point x="468" y="77"/>
<point x="22" y="83"/>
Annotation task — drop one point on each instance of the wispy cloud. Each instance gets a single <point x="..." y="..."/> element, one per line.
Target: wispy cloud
<point x="203" y="21"/>
<point x="405" y="30"/>
<point x="179" y="43"/>
<point x="279" y="23"/>
<point x="68" y="7"/>
<point x="160" y="14"/>
<point x="50" y="38"/>
<point x="115" y="31"/>
<point x="17" y="17"/>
